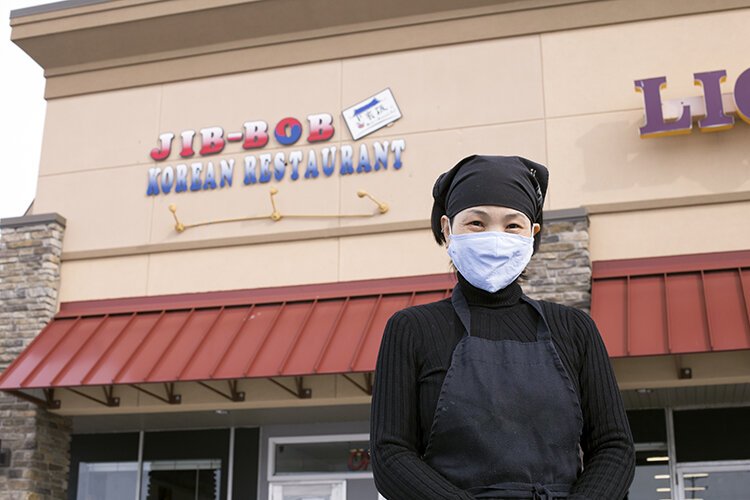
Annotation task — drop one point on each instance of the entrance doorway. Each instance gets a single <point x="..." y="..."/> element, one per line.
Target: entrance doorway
<point x="727" y="480"/>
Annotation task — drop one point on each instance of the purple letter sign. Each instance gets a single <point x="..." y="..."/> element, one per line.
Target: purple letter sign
<point x="715" y="118"/>
<point x="655" y="125"/>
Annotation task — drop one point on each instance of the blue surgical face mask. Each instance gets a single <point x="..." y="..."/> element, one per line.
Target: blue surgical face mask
<point x="490" y="260"/>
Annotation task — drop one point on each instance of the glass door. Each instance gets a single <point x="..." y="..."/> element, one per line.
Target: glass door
<point x="652" y="478"/>
<point x="714" y="480"/>
<point x="311" y="490"/>
<point x="107" y="480"/>
<point x="181" y="480"/>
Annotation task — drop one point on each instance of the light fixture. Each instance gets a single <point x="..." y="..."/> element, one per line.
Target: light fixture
<point x="221" y="412"/>
<point x="657" y="459"/>
<point x="661" y="476"/>
<point x="644" y="391"/>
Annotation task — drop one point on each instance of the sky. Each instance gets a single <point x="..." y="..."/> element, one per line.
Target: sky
<point x="22" y="108"/>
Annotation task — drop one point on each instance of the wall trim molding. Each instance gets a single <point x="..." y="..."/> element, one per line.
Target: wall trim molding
<point x="97" y="47"/>
<point x="560" y="215"/>
<point x="550" y="216"/>
<point x="32" y="220"/>
<point x="666" y="203"/>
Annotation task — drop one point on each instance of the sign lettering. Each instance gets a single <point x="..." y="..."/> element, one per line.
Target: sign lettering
<point x="714" y="111"/>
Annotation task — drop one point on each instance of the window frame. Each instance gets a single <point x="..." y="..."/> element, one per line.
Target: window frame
<point x="711" y="466"/>
<point x="272" y="477"/>
<point x="341" y="483"/>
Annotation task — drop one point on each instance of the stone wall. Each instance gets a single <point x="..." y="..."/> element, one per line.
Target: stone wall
<point x="561" y="270"/>
<point x="38" y="441"/>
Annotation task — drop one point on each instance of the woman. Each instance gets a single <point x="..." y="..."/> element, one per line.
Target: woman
<point x="490" y="394"/>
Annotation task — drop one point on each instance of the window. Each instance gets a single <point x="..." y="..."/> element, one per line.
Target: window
<point x="324" y="467"/>
<point x="181" y="480"/>
<point x="713" y="480"/>
<point x="311" y="457"/>
<point x="110" y="480"/>
<point x="175" y="465"/>
<point x="712" y="434"/>
<point x="326" y="490"/>
<point x="652" y="479"/>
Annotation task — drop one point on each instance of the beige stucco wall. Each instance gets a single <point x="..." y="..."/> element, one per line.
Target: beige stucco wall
<point x="565" y="99"/>
<point x="670" y="231"/>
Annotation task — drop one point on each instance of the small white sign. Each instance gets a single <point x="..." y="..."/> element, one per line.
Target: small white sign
<point x="371" y="114"/>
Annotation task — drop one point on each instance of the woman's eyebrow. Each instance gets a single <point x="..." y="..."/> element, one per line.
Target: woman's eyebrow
<point x="514" y="215"/>
<point x="476" y="211"/>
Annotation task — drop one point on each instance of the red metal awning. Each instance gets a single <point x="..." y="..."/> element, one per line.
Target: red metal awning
<point x="694" y="303"/>
<point x="274" y="332"/>
<point x="673" y="305"/>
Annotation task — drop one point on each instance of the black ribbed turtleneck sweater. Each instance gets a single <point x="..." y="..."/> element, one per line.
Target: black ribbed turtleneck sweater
<point x="415" y="354"/>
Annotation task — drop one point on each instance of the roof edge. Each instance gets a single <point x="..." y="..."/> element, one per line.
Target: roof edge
<point x="31" y="220"/>
<point x="267" y="295"/>
<point x="685" y="263"/>
<point x="52" y="7"/>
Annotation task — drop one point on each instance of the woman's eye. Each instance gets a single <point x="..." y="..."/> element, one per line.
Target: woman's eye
<point x="476" y="223"/>
<point x="513" y="226"/>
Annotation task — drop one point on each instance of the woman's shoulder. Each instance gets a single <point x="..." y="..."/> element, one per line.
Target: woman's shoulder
<point x="564" y="311"/>
<point x="424" y="315"/>
<point x="575" y="323"/>
<point x="438" y="307"/>
<point x="411" y="326"/>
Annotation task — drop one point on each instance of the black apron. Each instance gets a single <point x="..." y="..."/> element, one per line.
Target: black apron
<point x="508" y="420"/>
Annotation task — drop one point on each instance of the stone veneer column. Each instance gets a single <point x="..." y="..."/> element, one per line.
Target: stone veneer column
<point x="561" y="270"/>
<point x="38" y="441"/>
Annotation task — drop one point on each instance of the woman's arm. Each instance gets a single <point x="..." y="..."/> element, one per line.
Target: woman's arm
<point x="399" y="472"/>
<point x="608" y="451"/>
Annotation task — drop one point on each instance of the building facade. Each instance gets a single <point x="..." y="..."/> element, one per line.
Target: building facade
<point x="234" y="196"/>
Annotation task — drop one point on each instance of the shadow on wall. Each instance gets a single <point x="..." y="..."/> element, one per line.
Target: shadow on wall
<point x="718" y="162"/>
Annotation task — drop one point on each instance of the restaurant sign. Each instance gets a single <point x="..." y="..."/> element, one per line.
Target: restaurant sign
<point x="371" y="114"/>
<point x="713" y="111"/>
<point x="346" y="159"/>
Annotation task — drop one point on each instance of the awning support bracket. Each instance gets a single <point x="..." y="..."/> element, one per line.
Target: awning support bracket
<point x="366" y="388"/>
<point x="172" y="398"/>
<point x="51" y="402"/>
<point x="301" y="392"/>
<point x="109" y="398"/>
<point x="234" y="394"/>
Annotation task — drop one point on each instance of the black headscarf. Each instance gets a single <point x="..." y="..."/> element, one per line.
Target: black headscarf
<point x="508" y="181"/>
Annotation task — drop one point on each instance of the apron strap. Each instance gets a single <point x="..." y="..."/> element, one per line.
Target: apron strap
<point x="461" y="307"/>
<point x="543" y="331"/>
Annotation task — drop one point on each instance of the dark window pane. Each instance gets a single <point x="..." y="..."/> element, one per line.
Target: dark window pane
<point x="92" y="455"/>
<point x="163" y="447"/>
<point x="171" y="485"/>
<point x="169" y="445"/>
<point x="339" y="456"/>
<point x="648" y="426"/>
<point x="246" y="454"/>
<point x="182" y="480"/>
<point x="712" y="434"/>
